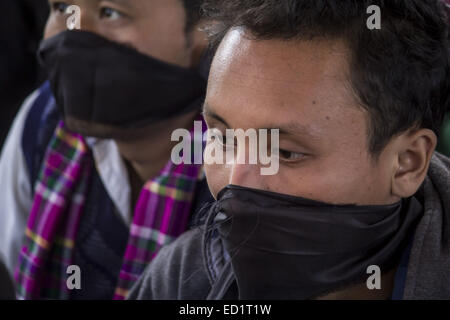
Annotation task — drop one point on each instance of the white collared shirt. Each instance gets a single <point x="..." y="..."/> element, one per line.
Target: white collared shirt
<point x="16" y="196"/>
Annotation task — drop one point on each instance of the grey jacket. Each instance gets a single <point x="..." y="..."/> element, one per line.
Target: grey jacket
<point x="187" y="269"/>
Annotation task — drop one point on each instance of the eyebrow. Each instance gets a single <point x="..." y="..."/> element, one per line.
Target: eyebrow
<point x="291" y="127"/>
<point x="125" y="3"/>
<point x="208" y="112"/>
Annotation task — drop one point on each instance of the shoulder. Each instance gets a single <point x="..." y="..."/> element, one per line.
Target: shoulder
<point x="429" y="262"/>
<point x="437" y="184"/>
<point x="12" y="159"/>
<point x="16" y="196"/>
<point x="177" y="273"/>
<point x="39" y="125"/>
<point x="41" y="112"/>
<point x="16" y="130"/>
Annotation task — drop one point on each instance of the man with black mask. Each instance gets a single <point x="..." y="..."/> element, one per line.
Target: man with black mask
<point x="360" y="206"/>
<point x="89" y="192"/>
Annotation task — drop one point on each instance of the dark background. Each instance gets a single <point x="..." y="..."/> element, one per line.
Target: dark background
<point x="21" y="28"/>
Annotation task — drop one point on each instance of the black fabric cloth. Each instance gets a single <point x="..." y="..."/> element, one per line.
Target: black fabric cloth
<point x="326" y="247"/>
<point x="98" y="81"/>
<point x="101" y="242"/>
<point x="6" y="284"/>
<point x="21" y="29"/>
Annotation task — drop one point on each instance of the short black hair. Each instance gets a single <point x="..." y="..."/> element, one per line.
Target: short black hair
<point x="193" y="12"/>
<point x="399" y="73"/>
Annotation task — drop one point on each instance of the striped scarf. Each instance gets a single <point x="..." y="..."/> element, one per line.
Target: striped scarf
<point x="161" y="215"/>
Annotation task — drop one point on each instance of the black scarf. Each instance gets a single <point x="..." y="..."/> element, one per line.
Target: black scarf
<point x="103" y="82"/>
<point x="286" y="247"/>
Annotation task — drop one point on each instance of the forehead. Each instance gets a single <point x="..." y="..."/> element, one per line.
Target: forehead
<point x="271" y="81"/>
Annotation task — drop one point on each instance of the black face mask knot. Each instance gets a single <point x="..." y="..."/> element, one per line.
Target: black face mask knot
<point x="285" y="247"/>
<point x="103" y="82"/>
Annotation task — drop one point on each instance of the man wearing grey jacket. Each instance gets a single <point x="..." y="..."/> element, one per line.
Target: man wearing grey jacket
<point x="360" y="206"/>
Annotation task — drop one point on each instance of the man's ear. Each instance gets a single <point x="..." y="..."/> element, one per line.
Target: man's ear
<point x="198" y="42"/>
<point x="414" y="152"/>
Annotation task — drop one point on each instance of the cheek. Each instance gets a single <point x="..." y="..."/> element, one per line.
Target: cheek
<point x="342" y="183"/>
<point x="217" y="177"/>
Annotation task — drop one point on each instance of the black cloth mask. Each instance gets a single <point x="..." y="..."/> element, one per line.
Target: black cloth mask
<point x="286" y="247"/>
<point x="99" y="81"/>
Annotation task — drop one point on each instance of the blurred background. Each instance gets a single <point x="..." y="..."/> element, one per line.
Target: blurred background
<point x="21" y="28"/>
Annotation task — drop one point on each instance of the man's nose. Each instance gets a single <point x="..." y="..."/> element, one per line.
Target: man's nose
<point x="245" y="170"/>
<point x="88" y="22"/>
<point x="246" y="175"/>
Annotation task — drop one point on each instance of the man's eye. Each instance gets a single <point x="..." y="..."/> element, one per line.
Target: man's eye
<point x="110" y="13"/>
<point x="223" y="141"/>
<point x="289" y="156"/>
<point x="216" y="136"/>
<point x="60" y="7"/>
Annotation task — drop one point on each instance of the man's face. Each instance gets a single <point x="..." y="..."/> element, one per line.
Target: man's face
<point x="300" y="87"/>
<point x="153" y="27"/>
<point x="156" y="28"/>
